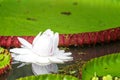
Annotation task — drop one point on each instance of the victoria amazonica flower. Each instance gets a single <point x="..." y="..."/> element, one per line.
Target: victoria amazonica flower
<point x="43" y="53"/>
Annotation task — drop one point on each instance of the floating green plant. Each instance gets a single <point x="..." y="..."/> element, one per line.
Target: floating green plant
<point x="49" y="77"/>
<point x="107" y="77"/>
<point x="80" y="39"/>
<point x="23" y="17"/>
<point x="5" y="61"/>
<point x="108" y="64"/>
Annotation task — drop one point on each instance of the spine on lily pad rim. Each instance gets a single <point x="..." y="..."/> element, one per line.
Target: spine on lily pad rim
<point x="78" y="39"/>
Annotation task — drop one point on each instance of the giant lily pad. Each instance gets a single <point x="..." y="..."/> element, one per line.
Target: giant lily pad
<point x="28" y="17"/>
<point x="49" y="77"/>
<point x="101" y="66"/>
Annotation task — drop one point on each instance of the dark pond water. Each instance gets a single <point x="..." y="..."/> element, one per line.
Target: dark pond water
<point x="80" y="54"/>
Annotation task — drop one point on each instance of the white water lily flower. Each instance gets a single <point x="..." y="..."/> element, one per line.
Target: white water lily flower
<point x="43" y="51"/>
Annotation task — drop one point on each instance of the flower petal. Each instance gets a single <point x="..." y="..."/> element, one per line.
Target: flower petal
<point x="42" y="60"/>
<point x="65" y="53"/>
<point x="21" y="51"/>
<point x="25" y="43"/>
<point x="43" y="51"/>
<point x="64" y="58"/>
<point x="55" y="60"/>
<point x="25" y="58"/>
<point x="15" y="62"/>
<point x="43" y="46"/>
<point x="32" y="58"/>
<point x="21" y="65"/>
<point x="48" y="32"/>
<point x="36" y="38"/>
<point x="55" y="42"/>
<point x="13" y="55"/>
<point x="57" y="51"/>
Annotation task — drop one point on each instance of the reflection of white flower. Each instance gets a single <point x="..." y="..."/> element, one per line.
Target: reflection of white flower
<point x="43" y="51"/>
<point x="51" y="68"/>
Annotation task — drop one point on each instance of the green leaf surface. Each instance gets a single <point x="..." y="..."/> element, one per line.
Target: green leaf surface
<point x="5" y="58"/>
<point x="49" y="77"/>
<point x="102" y="66"/>
<point x="29" y="17"/>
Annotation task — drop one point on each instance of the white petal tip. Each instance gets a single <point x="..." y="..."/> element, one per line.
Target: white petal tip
<point x="19" y="38"/>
